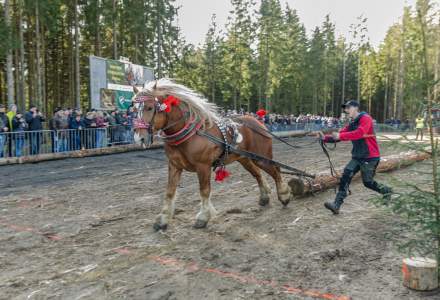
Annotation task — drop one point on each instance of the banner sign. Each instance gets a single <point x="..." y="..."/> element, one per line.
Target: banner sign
<point x="112" y="81"/>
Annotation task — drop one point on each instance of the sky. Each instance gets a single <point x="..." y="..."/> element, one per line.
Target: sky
<point x="195" y="15"/>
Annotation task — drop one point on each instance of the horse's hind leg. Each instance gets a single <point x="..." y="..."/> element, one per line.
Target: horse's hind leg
<point x="167" y="212"/>
<point x="283" y="189"/>
<point x="262" y="184"/>
<point x="207" y="210"/>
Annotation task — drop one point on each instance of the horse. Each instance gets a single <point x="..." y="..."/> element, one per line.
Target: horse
<point x="178" y="113"/>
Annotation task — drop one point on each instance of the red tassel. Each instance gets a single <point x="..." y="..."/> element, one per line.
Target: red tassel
<point x="221" y="174"/>
<point x="169" y="102"/>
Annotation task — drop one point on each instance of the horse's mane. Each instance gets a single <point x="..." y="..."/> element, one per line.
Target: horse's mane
<point x="198" y="106"/>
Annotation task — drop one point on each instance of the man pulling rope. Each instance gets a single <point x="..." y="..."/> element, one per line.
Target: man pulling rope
<point x="365" y="154"/>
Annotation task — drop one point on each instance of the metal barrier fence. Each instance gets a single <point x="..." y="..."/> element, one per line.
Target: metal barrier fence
<point x="24" y="143"/>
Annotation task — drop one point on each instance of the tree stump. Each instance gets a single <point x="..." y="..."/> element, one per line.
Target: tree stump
<point x="420" y="273"/>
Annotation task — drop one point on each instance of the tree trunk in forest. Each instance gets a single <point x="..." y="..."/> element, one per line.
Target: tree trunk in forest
<point x="30" y="62"/>
<point x="115" y="45"/>
<point x="77" y="70"/>
<point x="9" y="58"/>
<point x="396" y="89"/>
<point x="159" y="41"/>
<point x="344" y="61"/>
<point x="38" y="100"/>
<point x="21" y="77"/>
<point x="98" y="30"/>
<point x="385" y="99"/>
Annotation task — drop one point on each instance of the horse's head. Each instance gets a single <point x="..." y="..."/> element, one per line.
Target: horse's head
<point x="150" y="117"/>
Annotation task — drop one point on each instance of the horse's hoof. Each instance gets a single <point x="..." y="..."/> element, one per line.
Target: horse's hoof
<point x="157" y="227"/>
<point x="200" y="224"/>
<point x="285" y="202"/>
<point x="264" y="201"/>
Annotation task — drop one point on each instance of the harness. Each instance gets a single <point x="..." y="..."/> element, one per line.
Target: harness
<point x="189" y="129"/>
<point x="193" y="126"/>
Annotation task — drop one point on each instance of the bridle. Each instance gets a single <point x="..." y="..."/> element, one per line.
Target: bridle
<point x="139" y="123"/>
<point x="190" y="124"/>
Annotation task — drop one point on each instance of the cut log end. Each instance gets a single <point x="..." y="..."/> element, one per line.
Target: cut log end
<point x="297" y="186"/>
<point x="420" y="273"/>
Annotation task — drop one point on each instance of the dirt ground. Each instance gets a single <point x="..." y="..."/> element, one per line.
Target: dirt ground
<point x="82" y="229"/>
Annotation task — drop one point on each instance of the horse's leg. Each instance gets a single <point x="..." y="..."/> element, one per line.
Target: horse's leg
<point x="283" y="189"/>
<point x="262" y="183"/>
<point x="207" y="210"/>
<point x="167" y="212"/>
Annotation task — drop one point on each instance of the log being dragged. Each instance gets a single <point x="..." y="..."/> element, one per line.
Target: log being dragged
<point x="324" y="181"/>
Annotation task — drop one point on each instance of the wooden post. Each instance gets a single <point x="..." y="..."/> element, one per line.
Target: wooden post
<point x="420" y="273"/>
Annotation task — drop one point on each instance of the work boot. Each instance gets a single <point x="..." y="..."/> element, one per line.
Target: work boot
<point x="387" y="193"/>
<point x="336" y="205"/>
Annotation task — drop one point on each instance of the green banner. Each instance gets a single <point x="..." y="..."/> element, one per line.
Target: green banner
<point x="116" y="72"/>
<point x="123" y="99"/>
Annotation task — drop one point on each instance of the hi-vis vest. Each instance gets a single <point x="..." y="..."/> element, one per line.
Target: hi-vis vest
<point x="420" y="123"/>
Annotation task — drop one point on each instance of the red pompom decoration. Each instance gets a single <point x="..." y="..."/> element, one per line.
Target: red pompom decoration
<point x="169" y="102"/>
<point x="261" y="113"/>
<point x="221" y="174"/>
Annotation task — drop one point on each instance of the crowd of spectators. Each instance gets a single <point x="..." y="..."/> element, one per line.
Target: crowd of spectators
<point x="69" y="129"/>
<point x="277" y="122"/>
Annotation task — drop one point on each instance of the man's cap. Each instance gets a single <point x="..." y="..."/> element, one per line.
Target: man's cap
<point x="352" y="103"/>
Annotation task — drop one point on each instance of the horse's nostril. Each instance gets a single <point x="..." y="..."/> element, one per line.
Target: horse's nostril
<point x="143" y="140"/>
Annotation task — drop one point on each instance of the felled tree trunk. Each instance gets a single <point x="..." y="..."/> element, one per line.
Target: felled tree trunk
<point x="324" y="181"/>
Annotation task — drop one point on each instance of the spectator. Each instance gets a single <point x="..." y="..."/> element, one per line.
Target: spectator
<point x="19" y="126"/>
<point x="10" y="115"/>
<point x="34" y="119"/>
<point x="77" y="124"/>
<point x="101" y="126"/>
<point x="3" y="129"/>
<point x="420" y="126"/>
<point x="52" y="127"/>
<point x="90" y="123"/>
<point x="60" y="126"/>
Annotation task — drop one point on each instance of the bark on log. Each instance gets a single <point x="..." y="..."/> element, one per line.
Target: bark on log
<point x="420" y="274"/>
<point x="324" y="181"/>
<point x="302" y="133"/>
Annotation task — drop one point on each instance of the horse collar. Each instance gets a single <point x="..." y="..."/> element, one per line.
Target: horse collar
<point x="191" y="127"/>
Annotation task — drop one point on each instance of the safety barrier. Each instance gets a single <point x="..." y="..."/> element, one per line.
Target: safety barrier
<point x="26" y="143"/>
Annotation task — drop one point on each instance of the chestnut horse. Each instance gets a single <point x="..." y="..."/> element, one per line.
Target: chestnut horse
<point x="177" y="113"/>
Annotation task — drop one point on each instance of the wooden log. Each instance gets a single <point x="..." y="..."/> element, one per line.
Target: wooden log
<point x="420" y="273"/>
<point x="302" y="133"/>
<point x="324" y="181"/>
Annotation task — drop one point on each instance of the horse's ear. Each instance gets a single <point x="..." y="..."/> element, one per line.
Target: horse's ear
<point x="135" y="89"/>
<point x="155" y="85"/>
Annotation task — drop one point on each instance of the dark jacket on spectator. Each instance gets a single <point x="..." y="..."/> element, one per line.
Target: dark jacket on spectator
<point x="19" y="124"/>
<point x="34" y="123"/>
<point x="3" y="121"/>
<point x="90" y="121"/>
<point x="74" y="124"/>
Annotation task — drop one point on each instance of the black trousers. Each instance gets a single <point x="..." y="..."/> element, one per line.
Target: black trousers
<point x="367" y="167"/>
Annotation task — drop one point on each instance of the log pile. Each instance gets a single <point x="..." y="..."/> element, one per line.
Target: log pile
<point x="324" y="181"/>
